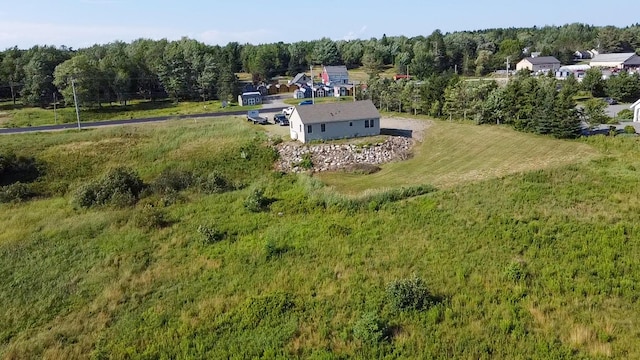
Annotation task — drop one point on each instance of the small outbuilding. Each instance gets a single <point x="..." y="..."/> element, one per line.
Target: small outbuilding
<point x="338" y="120"/>
<point x="250" y="98"/>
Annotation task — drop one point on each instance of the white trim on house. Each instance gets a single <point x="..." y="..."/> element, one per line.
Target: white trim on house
<point x="636" y="111"/>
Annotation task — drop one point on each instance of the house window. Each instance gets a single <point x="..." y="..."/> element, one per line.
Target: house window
<point x="371" y="123"/>
<point x="309" y="129"/>
<point x="300" y="127"/>
<point x="366" y="123"/>
<point x="323" y="127"/>
<point x="350" y="123"/>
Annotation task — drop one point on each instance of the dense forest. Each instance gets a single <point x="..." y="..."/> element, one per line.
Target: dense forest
<point x="190" y="70"/>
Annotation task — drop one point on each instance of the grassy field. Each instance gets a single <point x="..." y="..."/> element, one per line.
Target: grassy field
<point x="451" y="154"/>
<point x="539" y="261"/>
<point x="19" y="116"/>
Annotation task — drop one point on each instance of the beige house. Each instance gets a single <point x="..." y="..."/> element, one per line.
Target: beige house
<point x="539" y="64"/>
<point x="617" y="61"/>
<point x="338" y="120"/>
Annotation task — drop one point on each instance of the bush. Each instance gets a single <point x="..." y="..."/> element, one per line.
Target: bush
<point x="15" y="192"/>
<point x="409" y="294"/>
<point x="625" y="114"/>
<point x="256" y="201"/>
<point x="15" y="169"/>
<point x="210" y="235"/>
<point x="516" y="271"/>
<point x="215" y="183"/>
<point x="629" y="129"/>
<point x="120" y="187"/>
<point x="371" y="329"/>
<point x="172" y="181"/>
<point x="150" y="217"/>
<point x="306" y="162"/>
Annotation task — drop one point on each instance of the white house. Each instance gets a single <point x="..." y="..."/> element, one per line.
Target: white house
<point x="618" y="61"/>
<point x="336" y="120"/>
<point x="540" y="63"/>
<point x="636" y="111"/>
<point x="578" y="71"/>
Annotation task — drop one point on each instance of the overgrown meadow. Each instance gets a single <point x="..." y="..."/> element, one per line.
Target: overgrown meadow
<point x="178" y="240"/>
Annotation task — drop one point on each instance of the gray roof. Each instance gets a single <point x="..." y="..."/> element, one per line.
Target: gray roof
<point x="339" y="70"/>
<point x="618" y="57"/>
<point x="298" y="79"/>
<point x="541" y="60"/>
<point x="337" y="112"/>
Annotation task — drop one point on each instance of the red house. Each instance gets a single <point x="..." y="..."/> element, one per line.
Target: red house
<point x="335" y="75"/>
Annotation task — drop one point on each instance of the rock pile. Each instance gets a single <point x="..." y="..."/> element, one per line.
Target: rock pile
<point x="330" y="157"/>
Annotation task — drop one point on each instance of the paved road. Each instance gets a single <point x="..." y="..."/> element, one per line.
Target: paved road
<point x="274" y="108"/>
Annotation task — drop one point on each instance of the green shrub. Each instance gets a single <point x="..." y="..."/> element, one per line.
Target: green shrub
<point x="409" y="294"/>
<point x="516" y="271"/>
<point x="150" y="217"/>
<point x="172" y="181"/>
<point x="120" y="187"/>
<point x="625" y="114"/>
<point x="210" y="235"/>
<point x="15" y="192"/>
<point x="256" y="201"/>
<point x="306" y="162"/>
<point x="15" y="168"/>
<point x="215" y="183"/>
<point x="371" y="329"/>
<point x="629" y="129"/>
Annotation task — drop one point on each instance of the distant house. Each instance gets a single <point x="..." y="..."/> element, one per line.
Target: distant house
<point x="636" y="111"/>
<point x="582" y="55"/>
<point x="538" y="64"/>
<point x="250" y="98"/>
<point x="335" y="75"/>
<point x="300" y="79"/>
<point x="578" y="71"/>
<point x="336" y="120"/>
<point x="536" y="54"/>
<point x="616" y="61"/>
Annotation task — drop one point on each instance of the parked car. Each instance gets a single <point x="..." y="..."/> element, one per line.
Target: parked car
<point x="610" y="101"/>
<point x="306" y="102"/>
<point x="281" y="119"/>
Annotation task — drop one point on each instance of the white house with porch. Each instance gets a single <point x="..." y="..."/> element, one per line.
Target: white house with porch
<point x="636" y="111"/>
<point x="337" y="120"/>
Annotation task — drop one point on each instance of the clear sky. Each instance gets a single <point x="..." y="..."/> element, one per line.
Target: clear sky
<point x="81" y="23"/>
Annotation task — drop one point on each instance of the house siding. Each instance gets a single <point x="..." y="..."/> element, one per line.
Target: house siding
<point x="333" y="130"/>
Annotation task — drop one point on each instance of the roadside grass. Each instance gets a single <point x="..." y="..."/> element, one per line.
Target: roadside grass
<point x="20" y="116"/>
<point x="451" y="154"/>
<point x="540" y="263"/>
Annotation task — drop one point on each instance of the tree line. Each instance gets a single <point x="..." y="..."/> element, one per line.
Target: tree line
<point x="190" y="70"/>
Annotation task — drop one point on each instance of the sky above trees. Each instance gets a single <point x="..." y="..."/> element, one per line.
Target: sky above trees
<point x="81" y="23"/>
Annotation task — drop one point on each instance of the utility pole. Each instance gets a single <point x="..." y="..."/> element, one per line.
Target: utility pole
<point x="75" y="100"/>
<point x="313" y="97"/>
<point x="507" y="68"/>
<point x="55" y="113"/>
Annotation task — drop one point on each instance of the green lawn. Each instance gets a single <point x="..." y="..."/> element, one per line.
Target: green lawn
<point x="451" y="154"/>
<point x="528" y="247"/>
<point x="19" y="116"/>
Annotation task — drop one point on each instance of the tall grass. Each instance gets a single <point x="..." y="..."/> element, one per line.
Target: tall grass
<point x="540" y="263"/>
